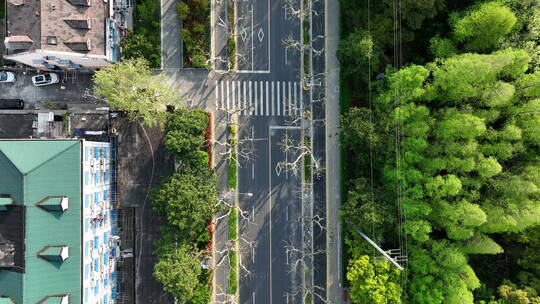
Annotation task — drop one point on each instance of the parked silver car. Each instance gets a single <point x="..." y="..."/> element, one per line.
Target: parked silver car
<point x="7" y="76"/>
<point x="45" y="79"/>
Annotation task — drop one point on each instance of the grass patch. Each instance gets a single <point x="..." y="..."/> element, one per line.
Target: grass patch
<point x="305" y="30"/>
<point x="195" y="17"/>
<point x="307" y="162"/>
<point x="233" y="224"/>
<point x="233" y="277"/>
<point x="233" y="169"/>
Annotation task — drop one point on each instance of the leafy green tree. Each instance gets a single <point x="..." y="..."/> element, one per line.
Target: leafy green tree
<point x="442" y="47"/>
<point x="185" y="132"/>
<point x="139" y="46"/>
<point x="179" y="269"/>
<point x="376" y="283"/>
<point x="131" y="86"/>
<point x="187" y="201"/>
<point x="356" y="52"/>
<point x="483" y="28"/>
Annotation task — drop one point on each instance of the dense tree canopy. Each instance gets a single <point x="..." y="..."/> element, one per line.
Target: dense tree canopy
<point x="483" y="28"/>
<point x="185" y="132"/>
<point x="187" y="200"/>
<point x="179" y="269"/>
<point x="375" y="283"/>
<point x="467" y="129"/>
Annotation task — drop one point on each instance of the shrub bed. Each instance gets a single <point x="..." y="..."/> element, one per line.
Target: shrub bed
<point x="195" y="17"/>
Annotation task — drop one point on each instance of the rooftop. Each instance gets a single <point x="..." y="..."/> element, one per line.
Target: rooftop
<point x="57" y="25"/>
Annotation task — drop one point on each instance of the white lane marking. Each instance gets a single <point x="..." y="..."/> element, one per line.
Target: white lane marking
<point x="287" y="256"/>
<point x="253" y="297"/>
<point x="301" y="95"/>
<point x="228" y="95"/>
<point x="295" y="100"/>
<point x="272" y="95"/>
<point x="255" y="100"/>
<point x="278" y="104"/>
<point x="284" y="93"/>
<point x="250" y="98"/>
<point x="222" y="86"/>
<point x="217" y="94"/>
<point x="246" y="105"/>
<point x="267" y="100"/>
<point x="252" y="254"/>
<point x="290" y="90"/>
<point x="287" y="213"/>
<point x="286" y="59"/>
<point x="261" y="101"/>
<point x="252" y="171"/>
<point x="248" y="71"/>
<point x="278" y="96"/>
<point x="233" y="89"/>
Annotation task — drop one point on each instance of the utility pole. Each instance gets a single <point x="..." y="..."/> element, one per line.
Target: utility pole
<point x="388" y="257"/>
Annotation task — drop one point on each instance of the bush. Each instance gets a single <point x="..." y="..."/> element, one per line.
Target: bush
<point x="145" y="39"/>
<point x="195" y="32"/>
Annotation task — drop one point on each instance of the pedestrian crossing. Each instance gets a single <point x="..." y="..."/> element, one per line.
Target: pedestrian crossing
<point x="259" y="98"/>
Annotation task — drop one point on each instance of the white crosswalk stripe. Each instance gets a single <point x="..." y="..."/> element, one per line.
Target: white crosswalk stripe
<point x="258" y="98"/>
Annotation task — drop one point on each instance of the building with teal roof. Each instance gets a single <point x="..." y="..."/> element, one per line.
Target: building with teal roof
<point x="44" y="222"/>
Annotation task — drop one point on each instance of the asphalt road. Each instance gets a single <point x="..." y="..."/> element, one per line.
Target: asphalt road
<point x="266" y="91"/>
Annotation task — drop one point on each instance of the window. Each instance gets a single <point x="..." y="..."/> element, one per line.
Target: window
<point x="86" y="271"/>
<point x="86" y="201"/>
<point x="106" y="176"/>
<point x="96" y="152"/>
<point x="86" y="295"/>
<point x="86" y="224"/>
<point x="86" y="153"/>
<point x="86" y="178"/>
<point x="105" y="195"/>
<point x="96" y="198"/>
<point x="105" y="237"/>
<point x="86" y="245"/>
<point x="96" y="241"/>
<point x="96" y="177"/>
<point x="105" y="153"/>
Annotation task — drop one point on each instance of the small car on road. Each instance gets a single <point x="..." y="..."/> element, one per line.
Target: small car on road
<point x="45" y="79"/>
<point x="7" y="76"/>
<point x="11" y="104"/>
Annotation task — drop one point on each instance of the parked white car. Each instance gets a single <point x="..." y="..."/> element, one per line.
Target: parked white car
<point x="7" y="76"/>
<point x="45" y="79"/>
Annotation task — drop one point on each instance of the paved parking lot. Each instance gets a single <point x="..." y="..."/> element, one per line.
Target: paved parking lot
<point x="73" y="88"/>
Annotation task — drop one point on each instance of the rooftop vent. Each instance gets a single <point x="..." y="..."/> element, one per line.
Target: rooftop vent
<point x="54" y="253"/>
<point x="6" y="300"/>
<point x="51" y="40"/>
<point x="56" y="299"/>
<point x="79" y="46"/>
<point x="80" y="2"/>
<point x="54" y="203"/>
<point x="78" y="22"/>
<point x="5" y="201"/>
<point x="21" y="42"/>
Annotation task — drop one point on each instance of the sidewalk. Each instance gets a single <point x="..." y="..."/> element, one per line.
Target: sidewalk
<point x="335" y="291"/>
<point x="171" y="44"/>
